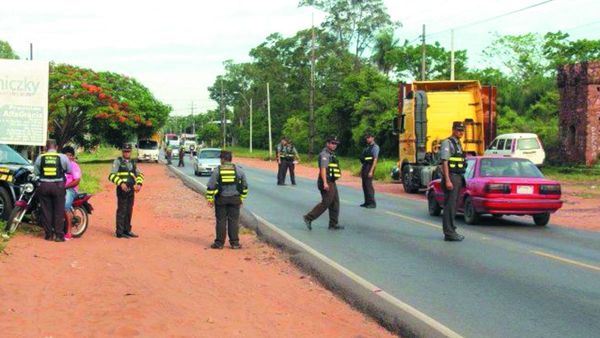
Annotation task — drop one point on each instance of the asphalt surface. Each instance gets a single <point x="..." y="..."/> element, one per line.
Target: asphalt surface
<point x="509" y="278"/>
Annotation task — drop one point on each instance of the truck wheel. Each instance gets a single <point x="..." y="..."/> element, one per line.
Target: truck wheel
<point x="407" y="182"/>
<point x="6" y="205"/>
<point x="541" y="219"/>
<point x="432" y="204"/>
<point x="471" y="215"/>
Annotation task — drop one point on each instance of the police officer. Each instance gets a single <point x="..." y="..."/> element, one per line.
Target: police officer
<point x="287" y="155"/>
<point x="128" y="179"/>
<point x="369" y="158"/>
<point x="226" y="190"/>
<point x="329" y="172"/>
<point x="169" y="153"/>
<point x="181" y="156"/>
<point x="51" y="168"/>
<point x="453" y="168"/>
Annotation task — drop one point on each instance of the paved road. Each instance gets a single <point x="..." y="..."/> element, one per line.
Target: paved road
<point x="507" y="279"/>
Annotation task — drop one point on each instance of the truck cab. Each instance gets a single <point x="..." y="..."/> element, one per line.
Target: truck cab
<point x="426" y="110"/>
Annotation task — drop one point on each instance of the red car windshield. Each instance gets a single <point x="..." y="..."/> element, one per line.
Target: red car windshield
<point x="508" y="167"/>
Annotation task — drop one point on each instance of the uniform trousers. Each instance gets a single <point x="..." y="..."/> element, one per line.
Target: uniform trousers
<point x="125" y="200"/>
<point x="52" y="205"/>
<point x="227" y="213"/>
<point x="330" y="200"/>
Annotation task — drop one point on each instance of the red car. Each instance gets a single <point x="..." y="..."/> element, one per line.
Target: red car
<point x="501" y="186"/>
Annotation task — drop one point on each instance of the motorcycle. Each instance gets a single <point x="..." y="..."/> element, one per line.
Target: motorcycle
<point x="27" y="207"/>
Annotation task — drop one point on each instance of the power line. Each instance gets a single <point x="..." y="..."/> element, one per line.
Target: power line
<point x="488" y="19"/>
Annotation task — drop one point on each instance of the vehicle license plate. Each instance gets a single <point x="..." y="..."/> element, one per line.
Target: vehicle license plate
<point x="524" y="189"/>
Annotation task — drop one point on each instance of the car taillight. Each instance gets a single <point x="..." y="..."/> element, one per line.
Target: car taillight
<point x="498" y="188"/>
<point x="550" y="189"/>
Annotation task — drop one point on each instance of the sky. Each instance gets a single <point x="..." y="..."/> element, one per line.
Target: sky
<point x="177" y="48"/>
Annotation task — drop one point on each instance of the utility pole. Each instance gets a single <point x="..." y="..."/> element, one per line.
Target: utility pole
<point x="30" y="51"/>
<point x="250" y="124"/>
<point x="311" y="119"/>
<point x="423" y="55"/>
<point x="223" y="120"/>
<point x="193" y="121"/>
<point x="452" y="55"/>
<point x="269" y="119"/>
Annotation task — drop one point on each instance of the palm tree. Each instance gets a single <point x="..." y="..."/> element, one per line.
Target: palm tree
<point x="384" y="43"/>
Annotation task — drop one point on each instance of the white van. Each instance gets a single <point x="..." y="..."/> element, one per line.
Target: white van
<point x="148" y="150"/>
<point x="522" y="145"/>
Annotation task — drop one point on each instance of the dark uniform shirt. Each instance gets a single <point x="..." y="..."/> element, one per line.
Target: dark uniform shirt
<point x="227" y="190"/>
<point x="128" y="164"/>
<point x="64" y="162"/>
<point x="447" y="148"/>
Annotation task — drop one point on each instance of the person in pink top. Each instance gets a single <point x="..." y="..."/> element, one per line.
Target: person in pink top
<point x="72" y="187"/>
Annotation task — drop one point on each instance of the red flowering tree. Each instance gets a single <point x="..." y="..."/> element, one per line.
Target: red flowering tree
<point x="92" y="107"/>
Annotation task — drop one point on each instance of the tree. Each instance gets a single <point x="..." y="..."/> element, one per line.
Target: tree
<point x="89" y="107"/>
<point x="406" y="61"/>
<point x="354" y="23"/>
<point x="6" y="51"/>
<point x="385" y="43"/>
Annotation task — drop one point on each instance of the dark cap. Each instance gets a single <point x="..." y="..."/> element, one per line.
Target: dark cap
<point x="458" y="125"/>
<point x="126" y="147"/>
<point x="333" y="139"/>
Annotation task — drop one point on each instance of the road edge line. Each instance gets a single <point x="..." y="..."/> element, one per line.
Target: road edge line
<point x="392" y="313"/>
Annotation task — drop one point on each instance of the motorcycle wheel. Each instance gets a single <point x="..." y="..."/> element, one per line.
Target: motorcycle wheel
<point x="80" y="221"/>
<point x="15" y="219"/>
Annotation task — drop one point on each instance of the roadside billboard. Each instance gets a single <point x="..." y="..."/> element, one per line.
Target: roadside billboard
<point x="23" y="102"/>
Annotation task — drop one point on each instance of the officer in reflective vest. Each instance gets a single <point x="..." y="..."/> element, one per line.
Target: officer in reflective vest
<point x="287" y="155"/>
<point x="51" y="168"/>
<point x="369" y="158"/>
<point x="128" y="179"/>
<point x="226" y="190"/>
<point x="453" y="168"/>
<point x="329" y="173"/>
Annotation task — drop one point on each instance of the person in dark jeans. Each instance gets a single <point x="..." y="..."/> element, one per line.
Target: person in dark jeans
<point x="128" y="179"/>
<point x="226" y="190"/>
<point x="51" y="168"/>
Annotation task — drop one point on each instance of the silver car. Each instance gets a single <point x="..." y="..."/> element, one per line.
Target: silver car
<point x="206" y="160"/>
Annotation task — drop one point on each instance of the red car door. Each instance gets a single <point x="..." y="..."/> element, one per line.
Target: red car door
<point x="469" y="183"/>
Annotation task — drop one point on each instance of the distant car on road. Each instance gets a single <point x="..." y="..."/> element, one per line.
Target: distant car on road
<point x="522" y="145"/>
<point x="148" y="150"/>
<point x="206" y="160"/>
<point x="501" y="186"/>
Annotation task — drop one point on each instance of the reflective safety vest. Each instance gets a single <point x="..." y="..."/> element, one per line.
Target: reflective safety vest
<point x="367" y="155"/>
<point x="287" y="153"/>
<point x="6" y="174"/>
<point x="456" y="162"/>
<point x="51" y="167"/>
<point x="333" y="169"/>
<point x="227" y="176"/>
<point x="126" y="175"/>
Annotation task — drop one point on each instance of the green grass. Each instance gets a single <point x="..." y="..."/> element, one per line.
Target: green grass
<point x="3" y="241"/>
<point x="92" y="165"/>
<point x="573" y="174"/>
<point x="382" y="172"/>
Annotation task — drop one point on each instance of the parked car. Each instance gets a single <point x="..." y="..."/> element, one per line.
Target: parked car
<point x="148" y="150"/>
<point x="206" y="161"/>
<point x="522" y="145"/>
<point x="10" y="162"/>
<point x="501" y="186"/>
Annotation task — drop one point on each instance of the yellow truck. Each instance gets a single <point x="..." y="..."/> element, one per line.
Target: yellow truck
<point x="426" y="110"/>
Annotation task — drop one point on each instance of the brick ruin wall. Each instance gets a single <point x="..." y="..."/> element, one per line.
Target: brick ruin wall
<point x="579" y="120"/>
